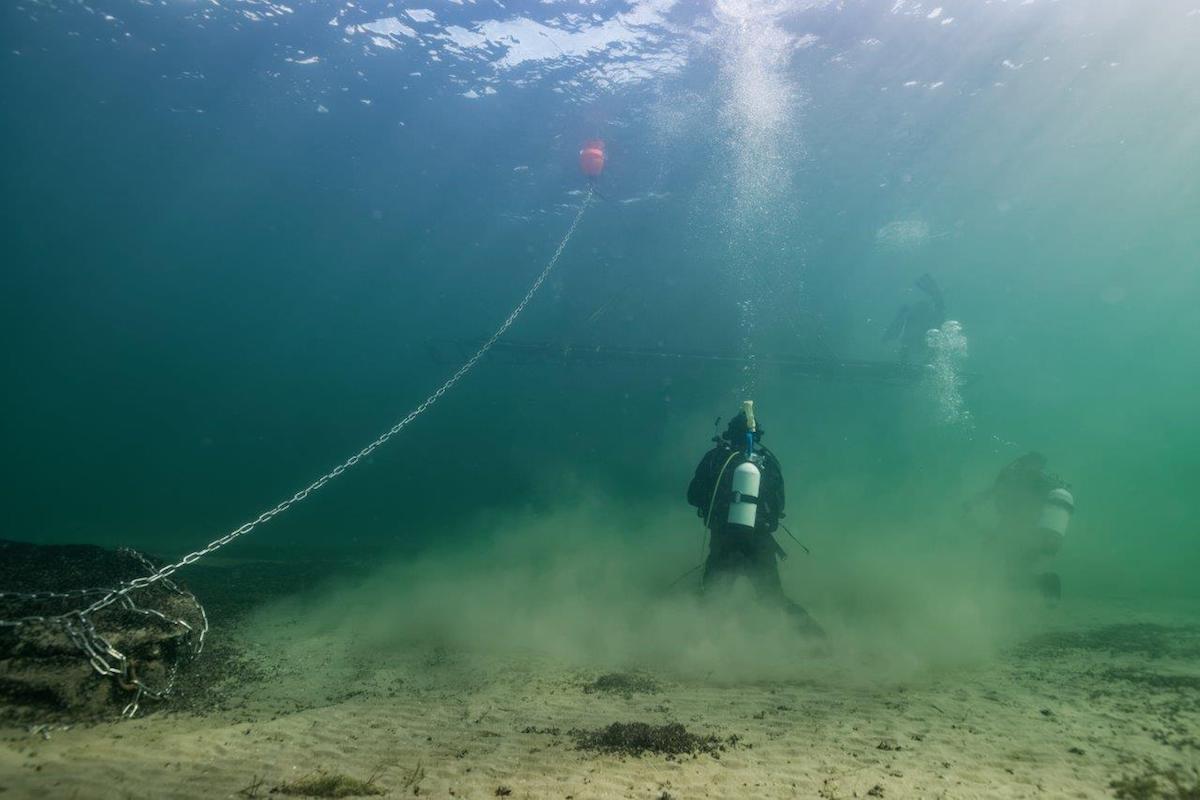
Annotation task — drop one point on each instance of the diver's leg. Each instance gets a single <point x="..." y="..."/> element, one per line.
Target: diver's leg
<point x="720" y="567"/>
<point x="1050" y="585"/>
<point x="1031" y="550"/>
<point x="764" y="573"/>
<point x="763" y="569"/>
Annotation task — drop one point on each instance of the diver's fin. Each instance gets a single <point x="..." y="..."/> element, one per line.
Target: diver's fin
<point x="929" y="286"/>
<point x="897" y="325"/>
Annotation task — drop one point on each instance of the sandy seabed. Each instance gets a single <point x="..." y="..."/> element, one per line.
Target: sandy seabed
<point x="1093" y="699"/>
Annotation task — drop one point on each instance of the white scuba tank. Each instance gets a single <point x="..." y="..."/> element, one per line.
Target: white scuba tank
<point x="1056" y="512"/>
<point x="746" y="480"/>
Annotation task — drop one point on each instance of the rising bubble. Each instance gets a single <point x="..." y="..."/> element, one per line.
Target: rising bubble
<point x="948" y="354"/>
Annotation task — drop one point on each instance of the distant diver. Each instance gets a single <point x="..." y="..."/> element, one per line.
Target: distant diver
<point x="738" y="492"/>
<point x="1033" y="509"/>
<point x="913" y="321"/>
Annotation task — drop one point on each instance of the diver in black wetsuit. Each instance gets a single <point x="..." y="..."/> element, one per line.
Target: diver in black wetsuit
<point x="738" y="549"/>
<point x="1029" y="531"/>
<point x="913" y="321"/>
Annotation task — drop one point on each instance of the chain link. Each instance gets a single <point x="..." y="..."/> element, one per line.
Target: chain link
<point x="106" y="659"/>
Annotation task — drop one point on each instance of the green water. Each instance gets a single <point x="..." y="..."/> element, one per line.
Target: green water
<point x="214" y="291"/>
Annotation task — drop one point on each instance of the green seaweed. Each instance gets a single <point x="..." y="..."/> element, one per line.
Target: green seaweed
<point x="625" y="683"/>
<point x="1158" y="784"/>
<point x="328" y="784"/>
<point x="637" y="738"/>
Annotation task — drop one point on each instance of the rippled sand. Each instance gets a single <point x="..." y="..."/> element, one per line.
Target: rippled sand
<point x="1063" y="715"/>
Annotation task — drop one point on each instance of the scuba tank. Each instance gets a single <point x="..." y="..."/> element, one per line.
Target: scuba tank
<point x="743" y="507"/>
<point x="1056" y="512"/>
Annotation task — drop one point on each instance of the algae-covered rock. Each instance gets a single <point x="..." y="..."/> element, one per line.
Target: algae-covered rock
<point x="43" y="671"/>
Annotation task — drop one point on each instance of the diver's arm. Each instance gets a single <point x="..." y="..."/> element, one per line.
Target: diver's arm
<point x="771" y="495"/>
<point x="779" y="498"/>
<point x="700" y="489"/>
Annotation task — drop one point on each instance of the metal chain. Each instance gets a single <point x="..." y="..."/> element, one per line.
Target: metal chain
<point x="467" y="366"/>
<point x="109" y="661"/>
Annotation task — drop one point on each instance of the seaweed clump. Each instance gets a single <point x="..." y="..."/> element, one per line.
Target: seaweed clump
<point x="625" y="683"/>
<point x="329" y="784"/>
<point x="1156" y="784"/>
<point x="638" y="738"/>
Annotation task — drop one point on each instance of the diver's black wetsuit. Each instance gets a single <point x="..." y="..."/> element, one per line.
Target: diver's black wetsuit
<point x="736" y="550"/>
<point x="1019" y="493"/>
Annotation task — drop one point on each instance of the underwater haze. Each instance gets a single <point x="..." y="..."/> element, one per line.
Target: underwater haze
<point x="242" y="238"/>
<point x="234" y="229"/>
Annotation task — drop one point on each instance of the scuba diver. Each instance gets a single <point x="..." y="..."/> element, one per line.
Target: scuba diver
<point x="738" y="492"/>
<point x="1033" y="510"/>
<point x="913" y="321"/>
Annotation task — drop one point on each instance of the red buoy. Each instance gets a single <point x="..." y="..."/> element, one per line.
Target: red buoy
<point x="591" y="158"/>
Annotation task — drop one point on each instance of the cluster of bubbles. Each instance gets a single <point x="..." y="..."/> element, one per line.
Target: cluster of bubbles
<point x="948" y="354"/>
<point x="902" y="234"/>
<point x="749" y="384"/>
<point x="759" y="108"/>
<point x="758" y="97"/>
